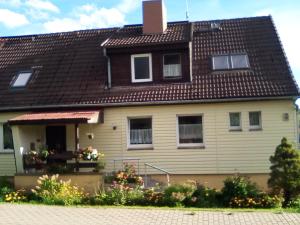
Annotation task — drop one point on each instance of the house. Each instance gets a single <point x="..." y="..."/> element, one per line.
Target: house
<point x="201" y="100"/>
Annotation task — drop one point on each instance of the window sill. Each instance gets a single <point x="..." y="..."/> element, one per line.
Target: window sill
<point x="133" y="148"/>
<point x="255" y="129"/>
<point x="6" y="151"/>
<point x="235" y="129"/>
<point x="191" y="147"/>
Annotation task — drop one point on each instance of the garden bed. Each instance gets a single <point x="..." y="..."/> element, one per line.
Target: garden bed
<point x="90" y="182"/>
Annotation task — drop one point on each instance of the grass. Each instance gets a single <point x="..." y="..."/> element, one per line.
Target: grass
<point x="191" y="210"/>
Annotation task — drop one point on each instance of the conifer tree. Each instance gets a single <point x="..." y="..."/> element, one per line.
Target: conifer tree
<point x="285" y="171"/>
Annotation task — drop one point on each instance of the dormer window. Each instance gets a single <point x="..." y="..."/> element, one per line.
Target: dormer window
<point x="229" y="62"/>
<point x="172" y="66"/>
<point x="141" y="68"/>
<point x="21" y="79"/>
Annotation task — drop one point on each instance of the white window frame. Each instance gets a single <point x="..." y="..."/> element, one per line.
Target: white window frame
<point x="235" y="128"/>
<point x="255" y="127"/>
<point x="180" y="63"/>
<point x="189" y="145"/>
<point x="2" y="150"/>
<point x="138" y="146"/>
<point x="133" y="79"/>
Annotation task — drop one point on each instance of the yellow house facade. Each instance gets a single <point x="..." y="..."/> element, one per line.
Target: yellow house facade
<point x="224" y="151"/>
<point x="181" y="100"/>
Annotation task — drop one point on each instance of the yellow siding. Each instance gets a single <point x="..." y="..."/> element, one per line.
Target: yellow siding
<point x="7" y="160"/>
<point x="225" y="151"/>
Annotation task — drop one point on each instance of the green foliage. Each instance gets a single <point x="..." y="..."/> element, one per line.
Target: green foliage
<point x="4" y="190"/>
<point x="119" y="195"/>
<point x="239" y="187"/>
<point x="285" y="171"/>
<point x="15" y="196"/>
<point x="204" y="197"/>
<point x="178" y="194"/>
<point x="56" y="192"/>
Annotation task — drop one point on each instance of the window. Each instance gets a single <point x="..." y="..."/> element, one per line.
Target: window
<point x="172" y="66"/>
<point x="22" y="79"/>
<point x="234" y="61"/>
<point x="255" y="120"/>
<point x="141" y="68"/>
<point x="140" y="132"/>
<point x="221" y="62"/>
<point x="239" y="61"/>
<point x="190" y="131"/>
<point x="6" y="138"/>
<point x="235" y="121"/>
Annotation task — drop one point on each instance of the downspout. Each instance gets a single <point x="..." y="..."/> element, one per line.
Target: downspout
<point x="108" y="68"/>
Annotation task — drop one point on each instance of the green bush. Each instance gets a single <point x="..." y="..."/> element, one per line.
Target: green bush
<point x="178" y="194"/>
<point x="119" y="195"/>
<point x="54" y="192"/>
<point x="204" y="197"/>
<point x="3" y="192"/>
<point x="285" y="171"/>
<point x="238" y="187"/>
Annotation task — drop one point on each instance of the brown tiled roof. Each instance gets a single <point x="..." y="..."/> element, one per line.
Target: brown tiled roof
<point x="82" y="116"/>
<point x="133" y="36"/>
<point x="70" y="68"/>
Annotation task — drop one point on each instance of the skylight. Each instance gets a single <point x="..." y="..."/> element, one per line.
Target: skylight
<point x="22" y="79"/>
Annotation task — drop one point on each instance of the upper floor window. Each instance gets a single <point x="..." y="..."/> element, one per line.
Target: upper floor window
<point x="141" y="68"/>
<point x="255" y="120"/>
<point x="22" y="79"/>
<point x="235" y="121"/>
<point x="6" y="137"/>
<point x="172" y="66"/>
<point x="227" y="62"/>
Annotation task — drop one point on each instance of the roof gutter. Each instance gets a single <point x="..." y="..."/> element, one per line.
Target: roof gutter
<point x="183" y="102"/>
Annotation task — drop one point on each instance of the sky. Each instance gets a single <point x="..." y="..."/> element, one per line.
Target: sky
<point x="21" y="17"/>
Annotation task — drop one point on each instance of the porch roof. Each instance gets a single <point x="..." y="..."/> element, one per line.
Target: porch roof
<point x="94" y="116"/>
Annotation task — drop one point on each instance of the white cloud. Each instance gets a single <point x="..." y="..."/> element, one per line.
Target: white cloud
<point x="91" y="16"/>
<point x="287" y="24"/>
<point x="42" y="5"/>
<point x="12" y="19"/>
<point x="14" y="3"/>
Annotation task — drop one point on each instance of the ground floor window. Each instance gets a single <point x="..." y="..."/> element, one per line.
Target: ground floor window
<point x="190" y="130"/>
<point x="6" y="137"/>
<point x="140" y="131"/>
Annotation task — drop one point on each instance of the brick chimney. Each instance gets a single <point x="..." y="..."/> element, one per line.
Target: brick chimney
<point x="154" y="17"/>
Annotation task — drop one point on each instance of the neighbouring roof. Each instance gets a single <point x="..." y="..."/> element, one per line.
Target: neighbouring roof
<point x="64" y="116"/>
<point x="131" y="36"/>
<point x="70" y="68"/>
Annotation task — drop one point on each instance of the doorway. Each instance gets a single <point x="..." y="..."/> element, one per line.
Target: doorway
<point x="56" y="138"/>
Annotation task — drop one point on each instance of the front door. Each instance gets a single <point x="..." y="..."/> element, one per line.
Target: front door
<point x="56" y="138"/>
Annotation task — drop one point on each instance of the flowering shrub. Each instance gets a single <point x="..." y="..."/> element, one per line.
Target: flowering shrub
<point x="240" y="187"/>
<point x="53" y="191"/>
<point x="177" y="194"/>
<point x="90" y="154"/>
<point x="204" y="197"/>
<point x="15" y="196"/>
<point x="153" y="197"/>
<point x="263" y="201"/>
<point x="128" y="176"/>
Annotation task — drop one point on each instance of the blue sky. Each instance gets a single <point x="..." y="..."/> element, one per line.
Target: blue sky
<point x="18" y="17"/>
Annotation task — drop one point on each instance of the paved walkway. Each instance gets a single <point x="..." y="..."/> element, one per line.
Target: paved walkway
<point x="11" y="214"/>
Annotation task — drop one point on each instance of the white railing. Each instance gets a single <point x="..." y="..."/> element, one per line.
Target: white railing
<point x="157" y="168"/>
